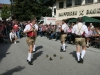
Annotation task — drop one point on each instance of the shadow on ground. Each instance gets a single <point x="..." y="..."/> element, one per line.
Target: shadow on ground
<point x="39" y="47"/>
<point x="36" y="55"/>
<point x="74" y="55"/>
<point x="17" y="41"/>
<point x="16" y="69"/>
<point x="4" y="50"/>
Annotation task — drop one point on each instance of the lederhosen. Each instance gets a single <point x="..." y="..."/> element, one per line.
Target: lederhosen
<point x="80" y="39"/>
<point x="63" y="36"/>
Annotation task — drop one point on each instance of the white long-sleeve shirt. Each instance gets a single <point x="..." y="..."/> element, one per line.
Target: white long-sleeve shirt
<point x="28" y="27"/>
<point x="79" y="29"/>
<point x="36" y="27"/>
<point x="65" y="27"/>
<point x="12" y="35"/>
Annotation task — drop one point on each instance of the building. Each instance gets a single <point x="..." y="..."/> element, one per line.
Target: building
<point x="69" y="9"/>
<point x="53" y="8"/>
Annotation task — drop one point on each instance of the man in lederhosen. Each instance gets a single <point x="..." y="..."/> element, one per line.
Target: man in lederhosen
<point x="29" y="29"/>
<point x="80" y="30"/>
<point x="64" y="28"/>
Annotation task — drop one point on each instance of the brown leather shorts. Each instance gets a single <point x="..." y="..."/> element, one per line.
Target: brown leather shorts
<point x="80" y="41"/>
<point x="30" y="41"/>
<point x="63" y="37"/>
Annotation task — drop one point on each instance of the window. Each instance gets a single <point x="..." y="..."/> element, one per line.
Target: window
<point x="78" y="2"/>
<point x="88" y="1"/>
<point x="68" y="3"/>
<point x="54" y="11"/>
<point x="61" y="4"/>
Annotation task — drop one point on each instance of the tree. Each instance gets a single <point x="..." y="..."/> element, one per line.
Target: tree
<point x="23" y="9"/>
<point x="49" y="3"/>
<point x="5" y="13"/>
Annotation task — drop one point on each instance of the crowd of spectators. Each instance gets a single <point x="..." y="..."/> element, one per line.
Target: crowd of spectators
<point x="49" y="31"/>
<point x="7" y="26"/>
<point x="54" y="32"/>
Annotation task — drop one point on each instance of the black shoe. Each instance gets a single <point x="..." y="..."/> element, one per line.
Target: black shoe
<point x="30" y="63"/>
<point x="27" y="61"/>
<point x="64" y="51"/>
<point x="81" y="60"/>
<point x="34" y="51"/>
<point x="61" y="50"/>
<point x="87" y="46"/>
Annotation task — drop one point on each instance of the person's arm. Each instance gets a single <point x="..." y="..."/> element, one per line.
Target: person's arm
<point x="73" y="30"/>
<point x="86" y="30"/>
<point x="10" y="37"/>
<point x="36" y="28"/>
<point x="26" y="29"/>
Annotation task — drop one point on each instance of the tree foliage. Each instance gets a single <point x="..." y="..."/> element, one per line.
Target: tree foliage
<point x="23" y="9"/>
<point x="5" y="13"/>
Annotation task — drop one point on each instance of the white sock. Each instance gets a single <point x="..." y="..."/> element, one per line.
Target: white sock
<point x="64" y="47"/>
<point x="34" y="48"/>
<point x="78" y="56"/>
<point x="15" y="42"/>
<point x="29" y="56"/>
<point x="87" y="43"/>
<point x="83" y="53"/>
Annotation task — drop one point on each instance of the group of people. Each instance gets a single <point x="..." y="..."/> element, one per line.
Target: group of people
<point x="54" y="32"/>
<point x="4" y="30"/>
<point x="78" y="34"/>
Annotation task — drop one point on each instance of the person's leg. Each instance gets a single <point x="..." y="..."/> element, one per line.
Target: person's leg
<point x="87" y="41"/>
<point x="30" y="53"/>
<point x="34" y="46"/>
<point x="83" y="52"/>
<point x="56" y="36"/>
<point x="63" y="37"/>
<point x="78" y="52"/>
<point x="30" y="43"/>
<point x="83" y="43"/>
<point x="67" y="39"/>
<point x="15" y="39"/>
<point x="41" y="33"/>
<point x="64" y="46"/>
<point x="77" y="42"/>
<point x="18" y="34"/>
<point x="51" y="35"/>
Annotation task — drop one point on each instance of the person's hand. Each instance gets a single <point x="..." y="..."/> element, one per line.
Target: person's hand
<point x="31" y="29"/>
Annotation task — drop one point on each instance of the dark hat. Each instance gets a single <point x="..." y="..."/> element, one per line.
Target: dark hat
<point x="33" y="18"/>
<point x="79" y="19"/>
<point x="64" y="20"/>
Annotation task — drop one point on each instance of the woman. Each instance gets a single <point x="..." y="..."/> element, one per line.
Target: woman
<point x="17" y="29"/>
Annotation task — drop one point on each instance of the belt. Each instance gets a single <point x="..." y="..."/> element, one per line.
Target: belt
<point x="79" y="36"/>
<point x="30" y="37"/>
<point x="64" y="33"/>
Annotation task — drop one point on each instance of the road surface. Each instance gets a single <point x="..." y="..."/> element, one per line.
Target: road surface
<point x="13" y="59"/>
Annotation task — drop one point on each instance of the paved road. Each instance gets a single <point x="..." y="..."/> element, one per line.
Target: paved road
<point x="13" y="59"/>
